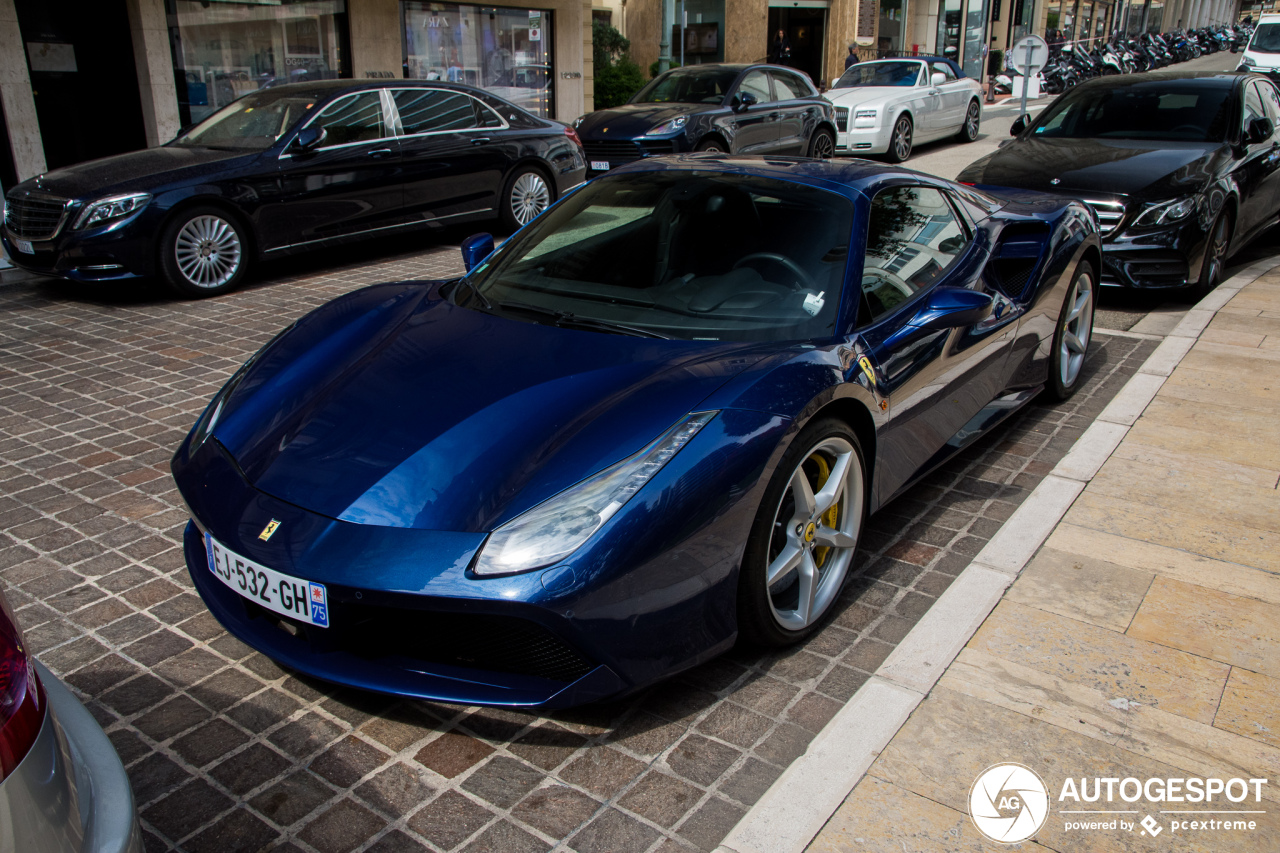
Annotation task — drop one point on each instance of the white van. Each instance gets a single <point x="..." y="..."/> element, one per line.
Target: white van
<point x="1262" y="53"/>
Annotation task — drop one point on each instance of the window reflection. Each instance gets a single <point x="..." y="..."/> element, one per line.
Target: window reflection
<point x="912" y="237"/>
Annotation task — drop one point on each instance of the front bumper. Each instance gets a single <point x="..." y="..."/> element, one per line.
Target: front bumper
<point x="118" y="252"/>
<point x="864" y="140"/>
<point x="1165" y="259"/>
<point x="70" y="794"/>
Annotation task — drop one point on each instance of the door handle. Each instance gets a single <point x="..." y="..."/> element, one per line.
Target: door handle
<point x="379" y="152"/>
<point x="480" y="141"/>
<point x="773" y="116"/>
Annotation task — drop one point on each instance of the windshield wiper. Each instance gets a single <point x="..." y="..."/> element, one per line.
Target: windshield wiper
<point x="567" y="319"/>
<point x="484" y="300"/>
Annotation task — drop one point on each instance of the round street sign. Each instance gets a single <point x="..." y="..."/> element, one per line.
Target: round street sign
<point x="1029" y="55"/>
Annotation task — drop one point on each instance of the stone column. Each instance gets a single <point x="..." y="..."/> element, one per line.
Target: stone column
<point x="376" y="43"/>
<point x="154" y="61"/>
<point x="19" y="103"/>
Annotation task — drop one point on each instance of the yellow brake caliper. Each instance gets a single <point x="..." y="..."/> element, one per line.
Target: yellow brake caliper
<point x="829" y="518"/>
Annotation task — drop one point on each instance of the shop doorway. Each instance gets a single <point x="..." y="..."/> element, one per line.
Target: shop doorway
<point x="806" y="30"/>
<point x="83" y="77"/>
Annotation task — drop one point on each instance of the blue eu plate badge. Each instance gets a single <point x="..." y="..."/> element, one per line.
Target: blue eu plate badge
<point x="319" y="606"/>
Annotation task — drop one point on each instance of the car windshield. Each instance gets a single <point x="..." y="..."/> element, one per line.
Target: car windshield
<point x="252" y="123"/>
<point x="879" y="74"/>
<point x="1266" y="39"/>
<point x="688" y="86"/>
<point x="1154" y="110"/>
<point x="688" y="255"/>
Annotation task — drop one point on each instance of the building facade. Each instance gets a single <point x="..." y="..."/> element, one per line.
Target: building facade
<point x="81" y="79"/>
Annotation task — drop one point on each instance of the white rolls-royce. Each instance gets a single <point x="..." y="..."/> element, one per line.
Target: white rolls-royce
<point x="891" y="105"/>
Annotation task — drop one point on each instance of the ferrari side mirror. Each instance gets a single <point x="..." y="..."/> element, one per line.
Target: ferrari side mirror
<point x="475" y="249"/>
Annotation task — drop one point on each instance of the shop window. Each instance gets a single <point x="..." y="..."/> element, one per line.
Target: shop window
<point x="226" y="49"/>
<point x="505" y="51"/>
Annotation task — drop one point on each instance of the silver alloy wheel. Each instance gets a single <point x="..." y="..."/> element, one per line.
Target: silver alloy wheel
<point x="1076" y="329"/>
<point x="815" y="533"/>
<point x="902" y="138"/>
<point x="971" y="121"/>
<point x="529" y="197"/>
<point x="208" y="251"/>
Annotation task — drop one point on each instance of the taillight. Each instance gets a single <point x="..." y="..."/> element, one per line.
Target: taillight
<point x="572" y="134"/>
<point x="21" y="696"/>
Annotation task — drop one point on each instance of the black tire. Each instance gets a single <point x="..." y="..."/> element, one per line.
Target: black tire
<point x="204" y="251"/>
<point x="901" y="138"/>
<point x="527" y="193"/>
<point x="823" y="144"/>
<point x="1067" y="359"/>
<point x="764" y="617"/>
<point x="712" y="145"/>
<point x="1215" y="257"/>
<point x="972" y="121"/>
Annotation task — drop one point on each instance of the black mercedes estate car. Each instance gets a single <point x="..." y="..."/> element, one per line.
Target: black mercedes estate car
<point x="1181" y="169"/>
<point x="736" y="109"/>
<point x="287" y="169"/>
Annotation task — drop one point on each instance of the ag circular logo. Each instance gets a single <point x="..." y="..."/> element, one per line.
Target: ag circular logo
<point x="1008" y="803"/>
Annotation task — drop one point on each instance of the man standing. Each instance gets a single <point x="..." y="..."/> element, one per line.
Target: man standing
<point x="850" y="59"/>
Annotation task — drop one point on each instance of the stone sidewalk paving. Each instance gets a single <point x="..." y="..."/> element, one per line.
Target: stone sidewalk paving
<point x="1143" y="639"/>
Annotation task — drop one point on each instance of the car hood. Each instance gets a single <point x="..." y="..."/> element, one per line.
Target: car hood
<point x="1137" y="168"/>
<point x="399" y="410"/>
<point x="137" y="171"/>
<point x="631" y="120"/>
<point x="860" y="95"/>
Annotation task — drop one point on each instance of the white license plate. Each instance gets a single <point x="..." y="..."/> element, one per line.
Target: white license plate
<point x="306" y="601"/>
<point x="596" y="165"/>
<point x="24" y="246"/>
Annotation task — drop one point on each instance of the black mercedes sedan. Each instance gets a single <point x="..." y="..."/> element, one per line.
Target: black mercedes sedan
<point x="287" y="169"/>
<point x="1182" y="169"/>
<point x="737" y="109"/>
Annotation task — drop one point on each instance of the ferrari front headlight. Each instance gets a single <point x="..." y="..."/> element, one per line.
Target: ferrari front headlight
<point x="557" y="527"/>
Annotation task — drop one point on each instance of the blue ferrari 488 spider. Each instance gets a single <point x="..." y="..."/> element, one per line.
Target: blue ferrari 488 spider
<point x="651" y="423"/>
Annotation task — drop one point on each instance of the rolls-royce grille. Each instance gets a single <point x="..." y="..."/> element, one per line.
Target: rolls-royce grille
<point x="34" y="217"/>
<point x="842" y="119"/>
<point x="1109" y="213"/>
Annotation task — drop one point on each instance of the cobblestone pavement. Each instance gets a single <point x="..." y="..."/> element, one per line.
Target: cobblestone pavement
<point x="229" y="752"/>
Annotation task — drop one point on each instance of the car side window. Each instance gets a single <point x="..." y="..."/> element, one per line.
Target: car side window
<point x="355" y="118"/>
<point x="487" y="117"/>
<point x="944" y="68"/>
<point x="757" y="83"/>
<point x="789" y="86"/>
<point x="1270" y="102"/>
<point x="1252" y="105"/>
<point x="913" y="236"/>
<point x="434" y="110"/>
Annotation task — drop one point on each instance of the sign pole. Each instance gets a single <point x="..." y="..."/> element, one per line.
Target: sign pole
<point x="1026" y="81"/>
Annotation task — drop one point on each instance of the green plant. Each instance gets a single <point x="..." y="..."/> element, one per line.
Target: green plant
<point x="617" y="77"/>
<point x="617" y="83"/>
<point x="653" y="67"/>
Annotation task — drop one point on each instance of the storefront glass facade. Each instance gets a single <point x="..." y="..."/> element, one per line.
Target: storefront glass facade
<point x="223" y="49"/>
<point x="507" y="51"/>
<point x="962" y="33"/>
